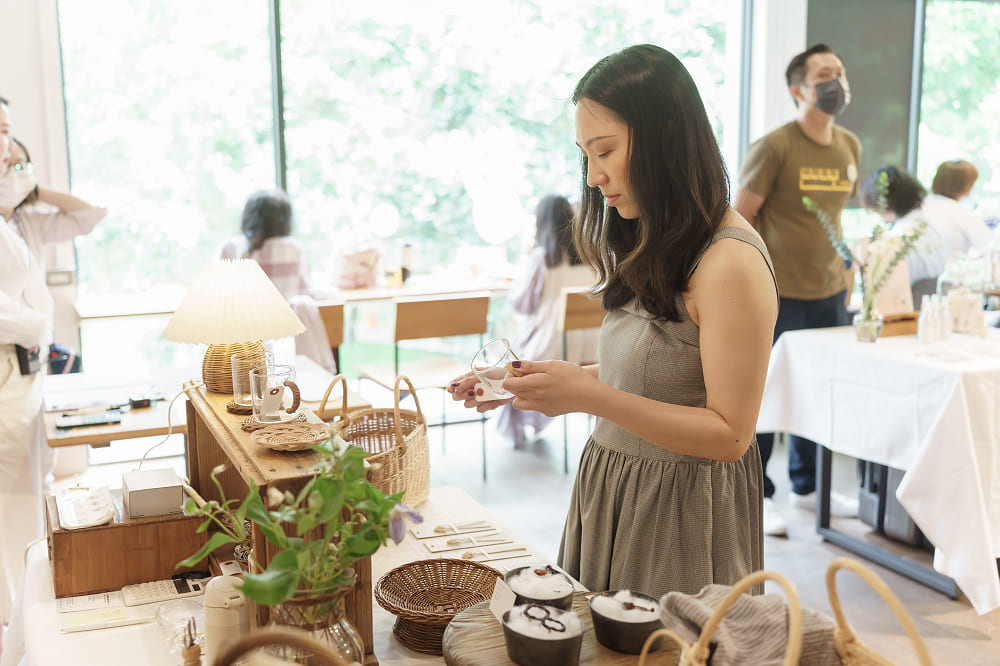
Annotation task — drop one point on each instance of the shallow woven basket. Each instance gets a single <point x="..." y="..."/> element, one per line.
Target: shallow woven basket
<point x="425" y="595"/>
<point x="396" y="442"/>
<point x="290" y="435"/>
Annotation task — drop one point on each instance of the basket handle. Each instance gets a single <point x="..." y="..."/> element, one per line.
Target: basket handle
<point x="843" y="634"/>
<point x="329" y="389"/>
<point x="697" y="654"/>
<point x="395" y="407"/>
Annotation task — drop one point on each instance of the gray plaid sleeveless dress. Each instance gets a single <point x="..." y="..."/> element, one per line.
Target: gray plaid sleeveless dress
<point x="644" y="518"/>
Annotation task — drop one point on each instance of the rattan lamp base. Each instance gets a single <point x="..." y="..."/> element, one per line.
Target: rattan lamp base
<point x="216" y="367"/>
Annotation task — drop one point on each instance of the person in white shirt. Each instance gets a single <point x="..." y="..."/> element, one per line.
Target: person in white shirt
<point x="961" y="228"/>
<point x="25" y="324"/>
<point x="900" y="208"/>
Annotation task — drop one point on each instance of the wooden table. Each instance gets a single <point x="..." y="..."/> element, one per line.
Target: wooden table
<point x="215" y="437"/>
<point x="144" y="422"/>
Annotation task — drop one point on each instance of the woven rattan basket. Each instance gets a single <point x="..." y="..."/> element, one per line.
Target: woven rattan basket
<point x="425" y="595"/>
<point x="396" y="442"/>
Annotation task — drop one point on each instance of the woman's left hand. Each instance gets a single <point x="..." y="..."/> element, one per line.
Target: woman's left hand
<point x="552" y="387"/>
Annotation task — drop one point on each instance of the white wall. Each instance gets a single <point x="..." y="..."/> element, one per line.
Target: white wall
<point x="778" y="33"/>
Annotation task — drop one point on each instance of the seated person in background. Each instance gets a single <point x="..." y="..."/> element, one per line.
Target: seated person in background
<point x="902" y="212"/>
<point x="267" y="239"/>
<point x="964" y="229"/>
<point x="553" y="265"/>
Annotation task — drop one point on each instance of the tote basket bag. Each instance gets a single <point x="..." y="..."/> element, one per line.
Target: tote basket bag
<point x="698" y="654"/>
<point x="846" y="650"/>
<point x="395" y="439"/>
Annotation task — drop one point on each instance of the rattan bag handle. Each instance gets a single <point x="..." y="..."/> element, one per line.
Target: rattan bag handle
<point x="395" y="408"/>
<point x="285" y="636"/>
<point x="697" y="654"/>
<point x="329" y="389"/>
<point x="850" y="649"/>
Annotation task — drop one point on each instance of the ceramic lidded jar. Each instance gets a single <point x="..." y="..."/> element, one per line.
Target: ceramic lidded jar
<point x="624" y="619"/>
<point x="540" y="585"/>
<point x="540" y="635"/>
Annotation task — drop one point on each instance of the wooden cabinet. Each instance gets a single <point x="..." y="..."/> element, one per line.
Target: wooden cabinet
<point x="216" y="438"/>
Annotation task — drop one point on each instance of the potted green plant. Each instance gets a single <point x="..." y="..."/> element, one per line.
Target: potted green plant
<point x="337" y="518"/>
<point x="877" y="264"/>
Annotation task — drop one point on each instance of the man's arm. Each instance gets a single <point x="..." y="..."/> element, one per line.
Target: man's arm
<point x="747" y="204"/>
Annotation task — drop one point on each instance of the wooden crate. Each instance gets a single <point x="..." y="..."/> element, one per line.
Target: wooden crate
<point x="123" y="552"/>
<point x="904" y="323"/>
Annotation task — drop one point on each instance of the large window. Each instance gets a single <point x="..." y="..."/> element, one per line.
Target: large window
<point x="960" y="101"/>
<point x="435" y="123"/>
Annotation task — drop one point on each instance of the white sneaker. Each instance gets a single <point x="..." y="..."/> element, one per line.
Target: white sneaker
<point x="841" y="506"/>
<point x="774" y="522"/>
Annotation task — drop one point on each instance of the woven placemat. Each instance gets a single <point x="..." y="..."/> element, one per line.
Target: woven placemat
<point x="233" y="408"/>
<point x="291" y="435"/>
<point x="250" y="423"/>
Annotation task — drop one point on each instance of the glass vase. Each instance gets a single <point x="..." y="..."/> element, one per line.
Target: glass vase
<point x="868" y="325"/>
<point x="322" y="616"/>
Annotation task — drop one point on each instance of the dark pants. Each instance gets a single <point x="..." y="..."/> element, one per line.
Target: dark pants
<point x="793" y="315"/>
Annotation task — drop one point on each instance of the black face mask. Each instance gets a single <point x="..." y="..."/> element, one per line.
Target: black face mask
<point x="832" y="96"/>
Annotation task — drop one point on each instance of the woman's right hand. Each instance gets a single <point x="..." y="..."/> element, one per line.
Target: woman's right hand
<point x="463" y="389"/>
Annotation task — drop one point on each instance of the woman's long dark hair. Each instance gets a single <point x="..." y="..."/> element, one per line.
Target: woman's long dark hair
<point x="676" y="176"/>
<point x="554" y="230"/>
<point x="266" y="214"/>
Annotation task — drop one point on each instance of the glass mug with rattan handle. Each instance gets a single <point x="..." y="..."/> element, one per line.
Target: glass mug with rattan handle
<point x="491" y="365"/>
<point x="242" y="363"/>
<point x="274" y="393"/>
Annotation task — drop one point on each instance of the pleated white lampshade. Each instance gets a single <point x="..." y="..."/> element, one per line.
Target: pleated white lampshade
<point x="232" y="306"/>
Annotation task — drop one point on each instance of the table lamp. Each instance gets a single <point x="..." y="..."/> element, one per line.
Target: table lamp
<point x="232" y="306"/>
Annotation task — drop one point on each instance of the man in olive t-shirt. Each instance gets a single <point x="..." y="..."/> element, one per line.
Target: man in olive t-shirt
<point x="813" y="157"/>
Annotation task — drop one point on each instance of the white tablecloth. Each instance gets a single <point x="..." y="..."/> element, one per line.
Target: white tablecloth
<point x="932" y="410"/>
<point x="45" y="645"/>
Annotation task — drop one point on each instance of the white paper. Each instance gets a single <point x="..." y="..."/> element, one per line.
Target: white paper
<point x="89" y="602"/>
<point x="502" y="600"/>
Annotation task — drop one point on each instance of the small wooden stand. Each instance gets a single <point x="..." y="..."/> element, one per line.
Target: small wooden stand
<point x="216" y="437"/>
<point x="902" y="323"/>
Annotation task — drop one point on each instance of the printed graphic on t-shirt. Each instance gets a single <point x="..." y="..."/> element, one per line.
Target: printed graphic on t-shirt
<point x="813" y="179"/>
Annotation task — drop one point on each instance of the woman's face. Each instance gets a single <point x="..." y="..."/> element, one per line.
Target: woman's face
<point x="603" y="137"/>
<point x="5" y="140"/>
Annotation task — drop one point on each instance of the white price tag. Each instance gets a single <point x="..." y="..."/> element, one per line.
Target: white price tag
<point x="502" y="600"/>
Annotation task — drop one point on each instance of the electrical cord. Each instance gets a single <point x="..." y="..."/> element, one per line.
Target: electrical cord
<point x="170" y="426"/>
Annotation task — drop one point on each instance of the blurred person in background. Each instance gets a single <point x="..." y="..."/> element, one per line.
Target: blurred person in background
<point x="267" y="239"/>
<point x="552" y="266"/>
<point x="901" y="209"/>
<point x="32" y="216"/>
<point x="950" y="207"/>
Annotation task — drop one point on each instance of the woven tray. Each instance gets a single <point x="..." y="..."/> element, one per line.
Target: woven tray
<point x="427" y="594"/>
<point x="475" y="638"/>
<point x="250" y="423"/>
<point x="291" y="435"/>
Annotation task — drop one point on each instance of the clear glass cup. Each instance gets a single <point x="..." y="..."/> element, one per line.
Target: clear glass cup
<point x="242" y="363"/>
<point x="274" y="393"/>
<point x="491" y="365"/>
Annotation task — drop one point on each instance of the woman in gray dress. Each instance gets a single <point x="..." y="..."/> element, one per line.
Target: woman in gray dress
<point x="669" y="488"/>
